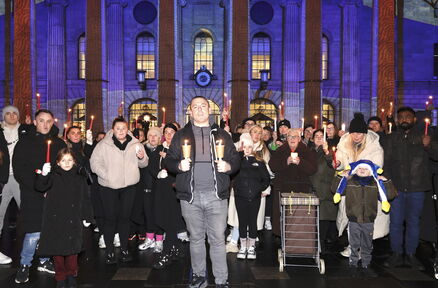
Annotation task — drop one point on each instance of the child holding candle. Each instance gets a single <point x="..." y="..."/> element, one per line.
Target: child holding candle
<point x="249" y="183"/>
<point x="66" y="209"/>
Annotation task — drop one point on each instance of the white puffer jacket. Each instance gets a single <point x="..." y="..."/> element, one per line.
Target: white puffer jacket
<point x="116" y="168"/>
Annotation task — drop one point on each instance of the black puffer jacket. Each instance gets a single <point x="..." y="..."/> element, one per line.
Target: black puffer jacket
<point x="252" y="179"/>
<point x="407" y="160"/>
<point x="184" y="180"/>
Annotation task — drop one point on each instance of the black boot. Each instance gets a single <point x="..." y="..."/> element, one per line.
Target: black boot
<point x="163" y="261"/>
<point x="413" y="262"/>
<point x="176" y="253"/>
<point x="396" y="260"/>
<point x="126" y="256"/>
<point x="71" y="282"/>
<point x="110" y="258"/>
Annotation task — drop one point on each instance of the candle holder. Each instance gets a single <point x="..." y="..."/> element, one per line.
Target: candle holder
<point x="186" y="148"/>
<point x="220" y="150"/>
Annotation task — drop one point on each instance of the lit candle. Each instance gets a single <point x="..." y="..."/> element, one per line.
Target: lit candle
<point x="383" y="114"/>
<point x="56" y="120"/>
<point x="390" y="127"/>
<point x="427" y="104"/>
<point x="65" y="131"/>
<point x="147" y="118"/>
<point x="275" y="124"/>
<point x="343" y="127"/>
<point x="136" y="122"/>
<point x="38" y="101"/>
<point x="430" y="98"/>
<point x="302" y="125"/>
<point x="316" y="121"/>
<point x="120" y="110"/>
<point x="334" y="157"/>
<point x="426" y="129"/>
<point x="68" y="115"/>
<point x="91" y="122"/>
<point x="164" y="115"/>
<point x="220" y="149"/>
<point x="390" y="108"/>
<point x="325" y="132"/>
<point x="48" y="151"/>
<point x="186" y="149"/>
<point x="282" y="109"/>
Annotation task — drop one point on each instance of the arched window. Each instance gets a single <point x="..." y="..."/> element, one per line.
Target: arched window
<point x="145" y="55"/>
<point x="328" y="111"/>
<point x="324" y="57"/>
<point x="81" y="56"/>
<point x="260" y="54"/>
<point x="203" y="54"/>
<point x="263" y="111"/>
<point x="78" y="114"/>
<point x="215" y="112"/>
<point x="141" y="108"/>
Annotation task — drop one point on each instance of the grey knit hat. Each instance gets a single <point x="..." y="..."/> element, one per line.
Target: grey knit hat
<point x="10" y="108"/>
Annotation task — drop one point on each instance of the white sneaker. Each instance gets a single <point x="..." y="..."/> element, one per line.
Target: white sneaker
<point x="5" y="259"/>
<point x="147" y="244"/>
<point x="232" y="247"/>
<point x="251" y="253"/>
<point x="102" y="244"/>
<point x="116" y="240"/>
<point x="96" y="230"/>
<point x="346" y="252"/>
<point x="158" y="247"/>
<point x="242" y="253"/>
<point x="183" y="237"/>
<point x="268" y="225"/>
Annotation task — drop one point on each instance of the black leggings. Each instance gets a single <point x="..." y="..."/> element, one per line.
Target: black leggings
<point x="117" y="208"/>
<point x="247" y="213"/>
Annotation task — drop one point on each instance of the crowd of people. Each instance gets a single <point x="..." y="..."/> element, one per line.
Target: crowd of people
<point x="167" y="185"/>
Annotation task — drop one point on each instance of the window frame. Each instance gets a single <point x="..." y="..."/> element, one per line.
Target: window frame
<point x="82" y="63"/>
<point x="146" y="35"/>
<point x="261" y="35"/>
<point x="203" y="35"/>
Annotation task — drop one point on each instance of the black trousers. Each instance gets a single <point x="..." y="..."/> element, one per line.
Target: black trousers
<point x="117" y="208"/>
<point x="268" y="207"/>
<point x="149" y="215"/>
<point x="96" y="203"/>
<point x="247" y="213"/>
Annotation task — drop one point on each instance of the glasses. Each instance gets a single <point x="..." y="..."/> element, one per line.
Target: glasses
<point x="292" y="137"/>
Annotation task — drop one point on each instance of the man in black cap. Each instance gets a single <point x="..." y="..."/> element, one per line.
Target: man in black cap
<point x="375" y="124"/>
<point x="283" y="127"/>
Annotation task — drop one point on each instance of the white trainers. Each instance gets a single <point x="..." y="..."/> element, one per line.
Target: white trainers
<point x="242" y="253"/>
<point x="346" y="252"/>
<point x="147" y="244"/>
<point x="251" y="253"/>
<point x="96" y="230"/>
<point x="158" y="247"/>
<point x="183" y="236"/>
<point x="232" y="247"/>
<point x="268" y="224"/>
<point x="5" y="259"/>
<point x="116" y="240"/>
<point x="102" y="244"/>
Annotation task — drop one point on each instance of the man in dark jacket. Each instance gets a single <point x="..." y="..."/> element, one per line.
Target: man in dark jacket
<point x="407" y="153"/>
<point x="202" y="184"/>
<point x="30" y="155"/>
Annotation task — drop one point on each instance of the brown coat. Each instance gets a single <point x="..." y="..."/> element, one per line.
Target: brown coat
<point x="290" y="177"/>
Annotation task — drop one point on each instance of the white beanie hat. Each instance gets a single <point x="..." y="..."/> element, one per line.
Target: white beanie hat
<point x="154" y="130"/>
<point x="10" y="108"/>
<point x="245" y="140"/>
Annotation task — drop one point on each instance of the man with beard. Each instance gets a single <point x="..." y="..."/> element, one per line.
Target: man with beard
<point x="407" y="153"/>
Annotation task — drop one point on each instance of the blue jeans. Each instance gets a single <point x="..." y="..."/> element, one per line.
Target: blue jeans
<point x="207" y="214"/>
<point x="30" y="243"/>
<point x="407" y="207"/>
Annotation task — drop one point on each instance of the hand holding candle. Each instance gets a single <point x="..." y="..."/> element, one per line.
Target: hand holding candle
<point x="220" y="149"/>
<point x="186" y="148"/>
<point x="48" y="151"/>
<point x="91" y="122"/>
<point x="426" y="128"/>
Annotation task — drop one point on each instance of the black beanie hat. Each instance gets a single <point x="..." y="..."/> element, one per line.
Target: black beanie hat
<point x="358" y="125"/>
<point x="170" y="125"/>
<point x="375" y="118"/>
<point x="284" y="122"/>
<point x="246" y="120"/>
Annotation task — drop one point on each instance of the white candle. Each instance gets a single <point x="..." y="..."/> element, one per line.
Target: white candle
<point x="325" y="132"/>
<point x="302" y="126"/>
<point x="343" y="127"/>
<point x="275" y="123"/>
<point x="390" y="127"/>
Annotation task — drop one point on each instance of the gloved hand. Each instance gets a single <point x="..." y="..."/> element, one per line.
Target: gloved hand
<point x="46" y="169"/>
<point x="162" y="174"/>
<point x="386" y="206"/>
<point x="85" y="223"/>
<point x="337" y="198"/>
<point x="89" y="137"/>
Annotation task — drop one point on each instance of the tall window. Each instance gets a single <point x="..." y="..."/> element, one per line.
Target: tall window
<point x="78" y="115"/>
<point x="435" y="60"/>
<point x="328" y="111"/>
<point x="324" y="57"/>
<point x="146" y="55"/>
<point x="203" y="52"/>
<point x="81" y="56"/>
<point x="263" y="111"/>
<point x="261" y="54"/>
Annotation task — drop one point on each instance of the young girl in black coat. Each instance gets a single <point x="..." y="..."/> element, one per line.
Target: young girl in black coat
<point x="252" y="179"/>
<point x="66" y="209"/>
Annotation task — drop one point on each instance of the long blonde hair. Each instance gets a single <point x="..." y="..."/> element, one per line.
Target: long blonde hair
<point x="263" y="153"/>
<point x="354" y="149"/>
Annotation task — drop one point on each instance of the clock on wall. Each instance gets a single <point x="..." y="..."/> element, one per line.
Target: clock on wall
<point x="203" y="77"/>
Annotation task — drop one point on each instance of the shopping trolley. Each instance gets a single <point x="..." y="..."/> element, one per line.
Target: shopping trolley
<point x="299" y="223"/>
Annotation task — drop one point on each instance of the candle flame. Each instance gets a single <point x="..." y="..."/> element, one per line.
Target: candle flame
<point x="92" y="117"/>
<point x="334" y="149"/>
<point x="38" y="94"/>
<point x="186" y="142"/>
<point x="316" y="116"/>
<point x="164" y="109"/>
<point x="49" y="142"/>
<point x="427" y="102"/>
<point x="427" y="120"/>
<point x="65" y="125"/>
<point x="430" y="97"/>
<point x="383" y="110"/>
<point x="56" y="120"/>
<point x="69" y="110"/>
<point x="225" y="94"/>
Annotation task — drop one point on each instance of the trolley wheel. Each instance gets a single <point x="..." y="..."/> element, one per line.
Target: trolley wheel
<point x="435" y="269"/>
<point x="322" y="266"/>
<point x="280" y="261"/>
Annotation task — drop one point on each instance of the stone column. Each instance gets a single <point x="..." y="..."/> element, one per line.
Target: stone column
<point x="400" y="84"/>
<point x="166" y="63"/>
<point x="374" y="57"/>
<point x="22" y="58"/>
<point x="291" y="61"/>
<point x="7" y="46"/>
<point x="386" y="73"/>
<point x="56" y="67"/>
<point x="93" y="60"/>
<point x="239" y="75"/>
<point x="350" y="85"/>
<point x="114" y="9"/>
<point x="312" y="80"/>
